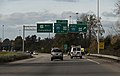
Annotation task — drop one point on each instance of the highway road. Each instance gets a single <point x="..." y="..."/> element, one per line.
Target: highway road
<point x="42" y="66"/>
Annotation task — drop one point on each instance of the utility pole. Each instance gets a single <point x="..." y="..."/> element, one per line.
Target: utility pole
<point x="77" y="17"/>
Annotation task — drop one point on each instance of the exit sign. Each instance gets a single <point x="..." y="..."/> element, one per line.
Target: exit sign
<point x="44" y="27"/>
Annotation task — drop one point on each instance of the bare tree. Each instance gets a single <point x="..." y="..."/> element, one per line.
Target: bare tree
<point x="117" y="10"/>
<point x="117" y="5"/>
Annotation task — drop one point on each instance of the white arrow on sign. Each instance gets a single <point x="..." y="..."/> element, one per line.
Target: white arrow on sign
<point x="84" y="28"/>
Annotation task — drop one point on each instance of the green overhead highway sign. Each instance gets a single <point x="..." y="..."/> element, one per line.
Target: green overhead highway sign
<point x="44" y="27"/>
<point x="60" y="27"/>
<point x="61" y="21"/>
<point x="76" y="28"/>
<point x="82" y="22"/>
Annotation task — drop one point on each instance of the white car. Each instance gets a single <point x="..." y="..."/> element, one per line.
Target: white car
<point x="76" y="52"/>
<point x="35" y="53"/>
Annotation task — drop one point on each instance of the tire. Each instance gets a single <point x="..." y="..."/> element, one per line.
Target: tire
<point x="62" y="59"/>
<point x="51" y="59"/>
<point x="71" y="57"/>
<point x="80" y="57"/>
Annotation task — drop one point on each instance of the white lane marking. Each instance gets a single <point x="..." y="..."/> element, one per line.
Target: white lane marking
<point x="93" y="61"/>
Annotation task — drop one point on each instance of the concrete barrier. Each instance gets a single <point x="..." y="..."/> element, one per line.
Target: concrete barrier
<point x="106" y="56"/>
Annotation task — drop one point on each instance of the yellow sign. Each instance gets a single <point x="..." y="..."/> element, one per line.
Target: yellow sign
<point x="82" y="49"/>
<point x="101" y="45"/>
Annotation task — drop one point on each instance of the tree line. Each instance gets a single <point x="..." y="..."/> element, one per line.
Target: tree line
<point x="34" y="43"/>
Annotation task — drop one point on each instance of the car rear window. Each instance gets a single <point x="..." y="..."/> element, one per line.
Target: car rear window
<point x="74" y="49"/>
<point x="78" y="49"/>
<point x="56" y="50"/>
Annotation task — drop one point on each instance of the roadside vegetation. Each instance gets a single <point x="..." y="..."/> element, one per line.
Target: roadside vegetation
<point x="111" y="46"/>
<point x="13" y="56"/>
<point x="112" y="42"/>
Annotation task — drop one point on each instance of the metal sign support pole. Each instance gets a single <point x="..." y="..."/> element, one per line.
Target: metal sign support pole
<point x="23" y="37"/>
<point x="28" y="28"/>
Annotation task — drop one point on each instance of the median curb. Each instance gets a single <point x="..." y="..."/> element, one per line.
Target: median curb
<point x="106" y="56"/>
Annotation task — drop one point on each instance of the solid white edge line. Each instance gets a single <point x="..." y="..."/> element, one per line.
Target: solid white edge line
<point x="93" y="61"/>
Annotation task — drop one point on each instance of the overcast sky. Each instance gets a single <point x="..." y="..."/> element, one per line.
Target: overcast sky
<point x="15" y="13"/>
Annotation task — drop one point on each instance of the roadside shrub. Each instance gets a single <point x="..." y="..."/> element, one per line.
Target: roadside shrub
<point x="13" y="56"/>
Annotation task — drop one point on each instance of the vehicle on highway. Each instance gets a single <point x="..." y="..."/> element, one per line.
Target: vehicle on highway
<point x="35" y="53"/>
<point x="28" y="52"/>
<point x="75" y="52"/>
<point x="56" y="53"/>
<point x="32" y="52"/>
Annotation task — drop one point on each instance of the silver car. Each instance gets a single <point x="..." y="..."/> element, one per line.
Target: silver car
<point x="56" y="53"/>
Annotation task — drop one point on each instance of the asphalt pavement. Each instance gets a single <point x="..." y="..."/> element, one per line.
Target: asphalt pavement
<point x="41" y="65"/>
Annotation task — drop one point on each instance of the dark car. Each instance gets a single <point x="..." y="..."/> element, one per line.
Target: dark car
<point x="56" y="53"/>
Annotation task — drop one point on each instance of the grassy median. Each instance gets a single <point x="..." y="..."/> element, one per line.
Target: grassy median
<point x="13" y="56"/>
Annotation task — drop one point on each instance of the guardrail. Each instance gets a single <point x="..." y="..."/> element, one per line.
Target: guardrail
<point x="106" y="56"/>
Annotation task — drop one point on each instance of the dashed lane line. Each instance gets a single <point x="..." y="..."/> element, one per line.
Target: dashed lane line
<point x="93" y="61"/>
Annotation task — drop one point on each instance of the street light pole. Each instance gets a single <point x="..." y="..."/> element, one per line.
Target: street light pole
<point x="98" y="9"/>
<point x="77" y="16"/>
<point x="70" y="20"/>
<point x="98" y="20"/>
<point x="49" y="35"/>
<point x="3" y="33"/>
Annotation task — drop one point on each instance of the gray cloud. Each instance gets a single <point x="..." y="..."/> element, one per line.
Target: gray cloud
<point x="108" y="14"/>
<point x="33" y="17"/>
<point x="27" y="18"/>
<point x="14" y="0"/>
<point x="14" y="22"/>
<point x="67" y="0"/>
<point x="68" y="14"/>
<point x="9" y="0"/>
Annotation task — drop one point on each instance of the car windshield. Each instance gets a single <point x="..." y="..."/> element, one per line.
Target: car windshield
<point x="56" y="50"/>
